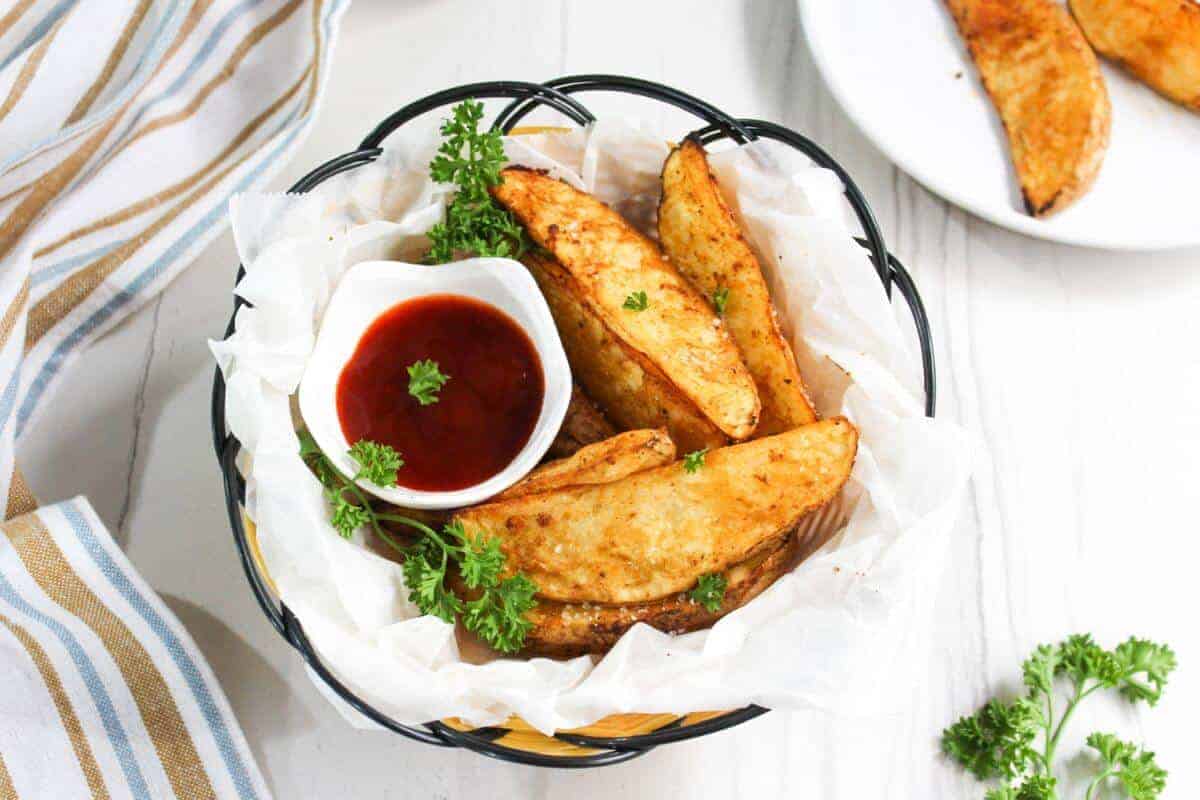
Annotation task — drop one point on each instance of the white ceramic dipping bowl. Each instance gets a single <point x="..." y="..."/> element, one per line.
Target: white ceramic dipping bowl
<point x="369" y="289"/>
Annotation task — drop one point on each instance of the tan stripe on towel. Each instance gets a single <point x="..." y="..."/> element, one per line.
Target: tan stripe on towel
<point x="30" y="67"/>
<point x="14" y="14"/>
<point x="110" y="65"/>
<point x="225" y="73"/>
<point x="62" y="702"/>
<point x="20" y="497"/>
<point x="7" y="790"/>
<point x="53" y="573"/>
<point x="66" y="297"/>
<point x="13" y="313"/>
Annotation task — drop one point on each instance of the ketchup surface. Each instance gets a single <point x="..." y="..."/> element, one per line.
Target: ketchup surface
<point x="485" y="413"/>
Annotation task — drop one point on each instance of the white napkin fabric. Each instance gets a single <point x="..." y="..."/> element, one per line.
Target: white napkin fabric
<point x="125" y="127"/>
<point x="105" y="694"/>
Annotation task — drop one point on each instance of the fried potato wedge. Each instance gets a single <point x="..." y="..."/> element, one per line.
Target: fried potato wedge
<point x="602" y="462"/>
<point x="703" y="241"/>
<point x="566" y="630"/>
<point x="633" y="391"/>
<point x="1045" y="83"/>
<point x="583" y="424"/>
<point x="1158" y="41"/>
<point x="610" y="263"/>
<point x="654" y="533"/>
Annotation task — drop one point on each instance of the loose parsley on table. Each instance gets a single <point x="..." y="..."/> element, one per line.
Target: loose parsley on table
<point x="472" y="159"/>
<point x="496" y="615"/>
<point x="637" y="301"/>
<point x="694" y="460"/>
<point x="999" y="741"/>
<point x="425" y="380"/>
<point x="709" y="591"/>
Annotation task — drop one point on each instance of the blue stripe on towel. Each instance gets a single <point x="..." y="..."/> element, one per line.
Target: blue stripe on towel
<point x="95" y="687"/>
<point x="58" y="268"/>
<point x="179" y="654"/>
<point x="38" y="31"/>
<point x="9" y="398"/>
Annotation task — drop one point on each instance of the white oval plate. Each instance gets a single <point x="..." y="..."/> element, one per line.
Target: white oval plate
<point x="902" y="74"/>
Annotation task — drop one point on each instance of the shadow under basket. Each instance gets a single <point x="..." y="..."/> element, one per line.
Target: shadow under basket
<point x="618" y="737"/>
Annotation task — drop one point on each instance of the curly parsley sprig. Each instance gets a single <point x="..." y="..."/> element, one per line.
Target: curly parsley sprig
<point x="709" y="591"/>
<point x="720" y="299"/>
<point x="472" y="159"/>
<point x="693" y="461"/>
<point x="999" y="741"/>
<point x="425" y="380"/>
<point x="496" y="615"/>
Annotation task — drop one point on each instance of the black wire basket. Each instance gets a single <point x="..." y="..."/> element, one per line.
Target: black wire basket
<point x="596" y="745"/>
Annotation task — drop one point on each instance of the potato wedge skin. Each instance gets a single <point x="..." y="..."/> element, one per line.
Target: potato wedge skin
<point x="703" y="241"/>
<point x="566" y="630"/>
<point x="1158" y="41"/>
<point x="584" y="424"/>
<point x="610" y="261"/>
<point x="601" y="462"/>
<point x="652" y="534"/>
<point x="1045" y="83"/>
<point x="632" y="391"/>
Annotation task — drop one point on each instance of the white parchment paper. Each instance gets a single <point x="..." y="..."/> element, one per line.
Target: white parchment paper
<point x="840" y="632"/>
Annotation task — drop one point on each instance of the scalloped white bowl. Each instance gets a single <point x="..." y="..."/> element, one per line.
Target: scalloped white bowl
<point x="371" y="288"/>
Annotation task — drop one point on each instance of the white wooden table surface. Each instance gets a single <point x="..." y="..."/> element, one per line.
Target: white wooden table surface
<point x="1080" y="369"/>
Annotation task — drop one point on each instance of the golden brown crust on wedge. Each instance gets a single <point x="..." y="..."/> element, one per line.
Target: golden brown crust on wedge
<point x="652" y="534"/>
<point x="602" y="462"/>
<point x="584" y="424"/>
<point x="703" y="241"/>
<point x="1046" y="85"/>
<point x="633" y="391"/>
<point x="610" y="262"/>
<point x="1158" y="41"/>
<point x="566" y="630"/>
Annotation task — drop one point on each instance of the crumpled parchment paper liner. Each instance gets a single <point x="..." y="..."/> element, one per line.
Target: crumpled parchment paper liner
<point x="840" y="632"/>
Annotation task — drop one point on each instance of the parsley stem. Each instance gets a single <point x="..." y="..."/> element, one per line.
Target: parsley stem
<point x="409" y="521"/>
<point x="1095" y="784"/>
<point x="1052" y="741"/>
<point x="423" y="528"/>
<point x="1045" y="758"/>
<point x="387" y="537"/>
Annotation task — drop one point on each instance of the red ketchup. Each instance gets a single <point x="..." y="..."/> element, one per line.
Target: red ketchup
<point x="485" y="413"/>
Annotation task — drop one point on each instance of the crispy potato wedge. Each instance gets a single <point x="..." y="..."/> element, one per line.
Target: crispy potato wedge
<point x="1045" y="83"/>
<point x="703" y="241"/>
<point x="610" y="262"/>
<point x="584" y="424"/>
<point x="633" y="391"/>
<point x="654" y="533"/>
<point x="602" y="462"/>
<point x="1158" y="41"/>
<point x="566" y="630"/>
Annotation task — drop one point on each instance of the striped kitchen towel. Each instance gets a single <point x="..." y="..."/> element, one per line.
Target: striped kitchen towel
<point x="125" y="127"/>
<point x="102" y="692"/>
